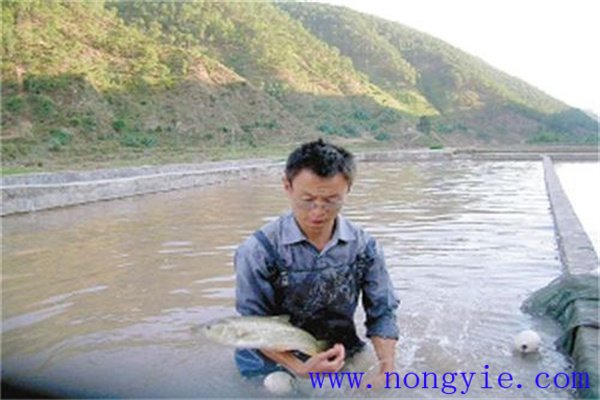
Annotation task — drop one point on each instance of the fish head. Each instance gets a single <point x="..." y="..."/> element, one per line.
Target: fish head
<point x="228" y="331"/>
<point x="218" y="331"/>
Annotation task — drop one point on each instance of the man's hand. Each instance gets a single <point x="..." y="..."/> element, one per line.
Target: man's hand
<point x="331" y="360"/>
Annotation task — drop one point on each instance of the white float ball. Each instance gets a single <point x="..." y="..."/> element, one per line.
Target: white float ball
<point x="527" y="341"/>
<point x="279" y="382"/>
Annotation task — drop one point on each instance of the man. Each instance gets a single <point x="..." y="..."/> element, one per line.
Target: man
<point x="312" y="264"/>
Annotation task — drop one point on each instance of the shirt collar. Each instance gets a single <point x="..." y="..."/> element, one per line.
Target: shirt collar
<point x="292" y="234"/>
<point x="346" y="232"/>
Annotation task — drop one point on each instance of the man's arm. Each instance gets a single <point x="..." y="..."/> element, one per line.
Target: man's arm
<point x="386" y="353"/>
<point x="380" y="304"/>
<point x="254" y="293"/>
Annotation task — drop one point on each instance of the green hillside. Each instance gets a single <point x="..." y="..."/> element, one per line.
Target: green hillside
<point x="467" y="95"/>
<point x="103" y="82"/>
<point x="78" y="83"/>
<point x="279" y="56"/>
<point x="356" y="37"/>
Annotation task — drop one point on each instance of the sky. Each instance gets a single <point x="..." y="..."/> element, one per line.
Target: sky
<point x="553" y="45"/>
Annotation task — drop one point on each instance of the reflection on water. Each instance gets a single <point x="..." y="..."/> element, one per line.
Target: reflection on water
<point x="98" y="300"/>
<point x="577" y="180"/>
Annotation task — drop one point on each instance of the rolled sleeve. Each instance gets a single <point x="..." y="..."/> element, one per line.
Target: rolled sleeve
<point x="254" y="294"/>
<point x="379" y="301"/>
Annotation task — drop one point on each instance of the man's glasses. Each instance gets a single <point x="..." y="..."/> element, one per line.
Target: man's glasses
<point x="308" y="205"/>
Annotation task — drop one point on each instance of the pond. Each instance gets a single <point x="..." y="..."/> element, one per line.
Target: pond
<point x="99" y="300"/>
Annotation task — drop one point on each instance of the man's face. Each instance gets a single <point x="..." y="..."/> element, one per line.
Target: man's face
<point x="316" y="201"/>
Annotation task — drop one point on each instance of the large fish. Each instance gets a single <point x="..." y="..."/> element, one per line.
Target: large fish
<point x="273" y="333"/>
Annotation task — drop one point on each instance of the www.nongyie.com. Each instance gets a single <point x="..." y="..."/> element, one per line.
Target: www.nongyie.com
<point x="449" y="383"/>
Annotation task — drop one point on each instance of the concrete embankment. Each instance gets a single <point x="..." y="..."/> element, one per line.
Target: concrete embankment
<point x="35" y="192"/>
<point x="579" y="259"/>
<point x="565" y="154"/>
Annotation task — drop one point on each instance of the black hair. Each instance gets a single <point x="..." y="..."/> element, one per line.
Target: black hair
<point x="323" y="159"/>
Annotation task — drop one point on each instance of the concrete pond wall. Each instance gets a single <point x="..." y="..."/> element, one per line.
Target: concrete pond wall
<point x="35" y="192"/>
<point x="41" y="191"/>
<point x="578" y="259"/>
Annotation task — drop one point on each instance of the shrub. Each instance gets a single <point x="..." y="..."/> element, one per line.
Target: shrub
<point x="545" y="137"/>
<point x="43" y="106"/>
<point x="349" y="131"/>
<point x="389" y="116"/>
<point x="383" y="137"/>
<point x="134" y="139"/>
<point x="39" y="84"/>
<point x="322" y="105"/>
<point x="327" y="128"/>
<point x="13" y="150"/>
<point x="272" y="124"/>
<point x="59" y="138"/>
<point x="63" y="137"/>
<point x="54" y="145"/>
<point x="119" y="125"/>
<point x="89" y="122"/>
<point x="374" y="126"/>
<point x="361" y="115"/>
<point x="424" y="124"/>
<point x="14" y="104"/>
<point x="274" y="89"/>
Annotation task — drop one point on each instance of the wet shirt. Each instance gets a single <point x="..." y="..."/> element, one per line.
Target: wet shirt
<point x="319" y="290"/>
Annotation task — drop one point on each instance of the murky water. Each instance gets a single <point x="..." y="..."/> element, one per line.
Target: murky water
<point x="98" y="300"/>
